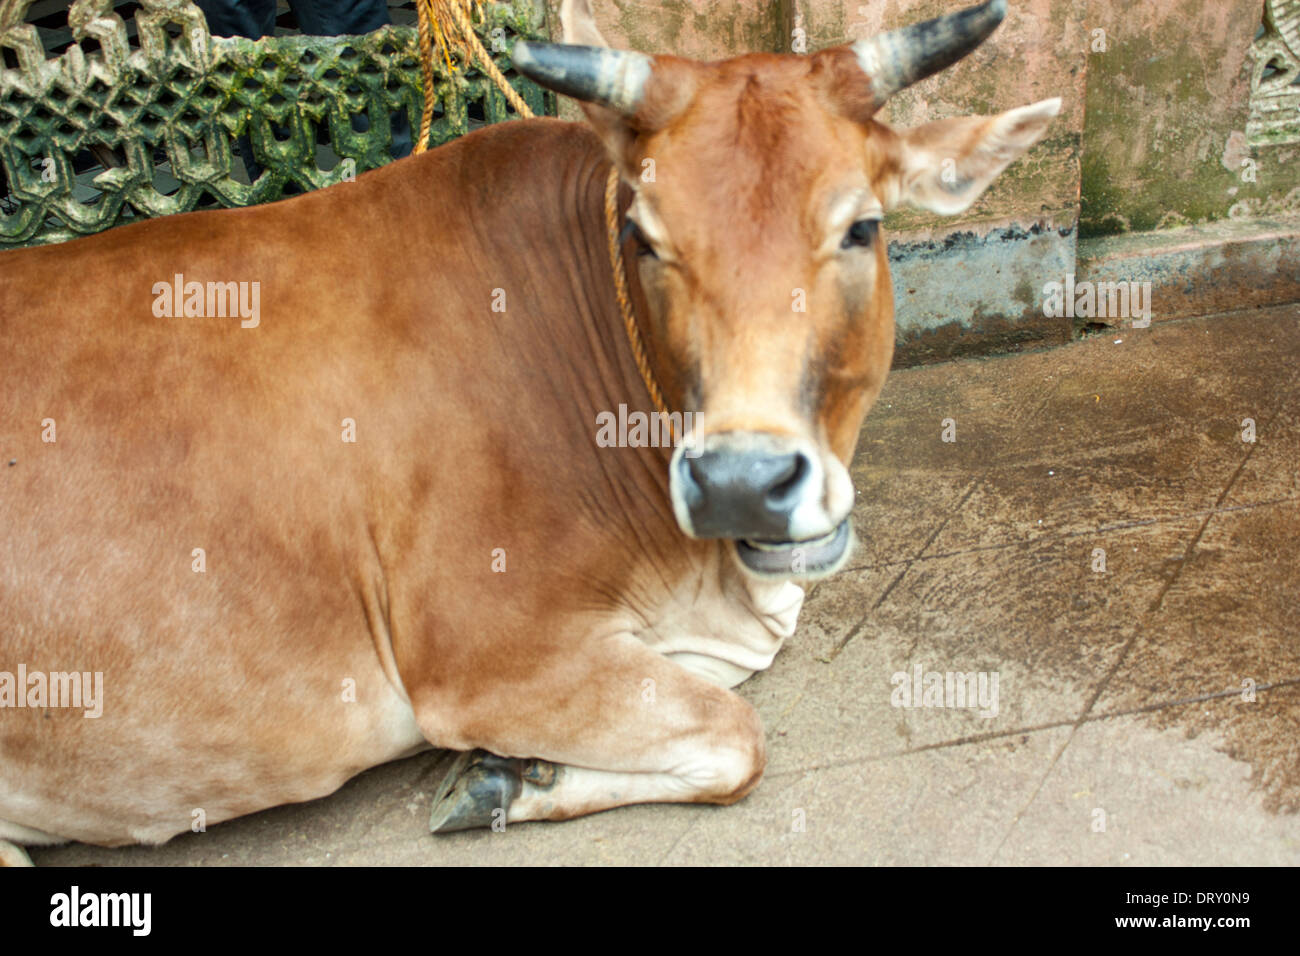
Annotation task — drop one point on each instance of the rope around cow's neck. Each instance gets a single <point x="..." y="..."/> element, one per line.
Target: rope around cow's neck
<point x="450" y="20"/>
<point x="625" y="302"/>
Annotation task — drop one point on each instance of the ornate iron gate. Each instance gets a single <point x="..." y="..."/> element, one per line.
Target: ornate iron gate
<point x="181" y="92"/>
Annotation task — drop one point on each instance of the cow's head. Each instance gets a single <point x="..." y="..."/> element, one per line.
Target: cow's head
<point x="757" y="245"/>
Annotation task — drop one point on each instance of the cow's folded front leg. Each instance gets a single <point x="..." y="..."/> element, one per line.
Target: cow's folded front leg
<point x="480" y="789"/>
<point x="624" y="725"/>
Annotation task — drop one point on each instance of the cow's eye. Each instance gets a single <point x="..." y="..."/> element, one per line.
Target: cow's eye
<point x="861" y="233"/>
<point x="633" y="231"/>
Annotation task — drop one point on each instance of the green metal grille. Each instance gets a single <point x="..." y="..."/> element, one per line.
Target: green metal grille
<point x="186" y="93"/>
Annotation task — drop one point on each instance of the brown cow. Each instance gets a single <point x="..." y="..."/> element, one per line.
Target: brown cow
<point x="366" y="512"/>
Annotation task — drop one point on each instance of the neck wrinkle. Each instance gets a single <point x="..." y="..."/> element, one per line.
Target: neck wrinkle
<point x="619" y="379"/>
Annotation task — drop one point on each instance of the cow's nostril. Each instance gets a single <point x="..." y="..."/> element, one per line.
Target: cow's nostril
<point x="697" y="469"/>
<point x="693" y="479"/>
<point x="786" y="487"/>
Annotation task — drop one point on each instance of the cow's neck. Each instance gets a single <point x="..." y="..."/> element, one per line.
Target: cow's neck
<point x="558" y="356"/>
<point x="512" y="399"/>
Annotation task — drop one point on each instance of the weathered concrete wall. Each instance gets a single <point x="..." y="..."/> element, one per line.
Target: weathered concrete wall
<point x="1199" y="270"/>
<point x="1168" y="87"/>
<point x="978" y="290"/>
<point x="699" y="29"/>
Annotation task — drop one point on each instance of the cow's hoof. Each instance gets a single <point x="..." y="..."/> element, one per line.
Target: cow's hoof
<point x="476" y="791"/>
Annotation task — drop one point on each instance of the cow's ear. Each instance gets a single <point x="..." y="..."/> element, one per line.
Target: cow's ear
<point x="578" y="24"/>
<point x="944" y="166"/>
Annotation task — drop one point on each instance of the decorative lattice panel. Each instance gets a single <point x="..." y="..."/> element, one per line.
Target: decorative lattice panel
<point x="180" y="97"/>
<point x="1275" y="80"/>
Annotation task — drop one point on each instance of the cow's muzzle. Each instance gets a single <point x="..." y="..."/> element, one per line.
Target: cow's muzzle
<point x="767" y="494"/>
<point x="751" y="493"/>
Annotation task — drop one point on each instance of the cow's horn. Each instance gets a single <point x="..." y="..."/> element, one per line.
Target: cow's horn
<point x="612" y="78"/>
<point x="898" y="59"/>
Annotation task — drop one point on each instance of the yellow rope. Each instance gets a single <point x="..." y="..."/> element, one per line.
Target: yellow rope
<point x="459" y="10"/>
<point x="426" y="62"/>
<point x="449" y="21"/>
<point x="625" y="302"/>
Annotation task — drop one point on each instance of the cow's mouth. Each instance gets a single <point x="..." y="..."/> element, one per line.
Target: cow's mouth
<point x="813" y="557"/>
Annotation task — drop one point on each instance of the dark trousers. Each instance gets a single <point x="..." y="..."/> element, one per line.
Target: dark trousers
<point x="325" y="18"/>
